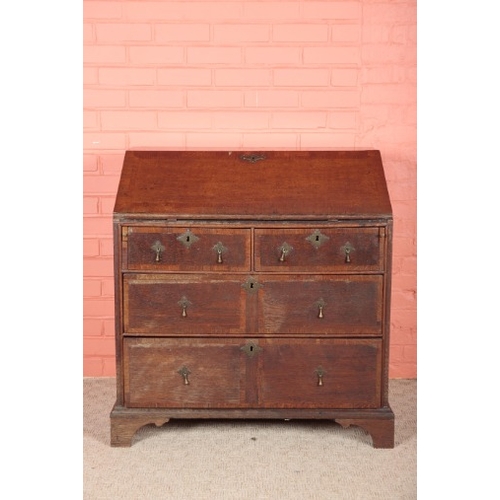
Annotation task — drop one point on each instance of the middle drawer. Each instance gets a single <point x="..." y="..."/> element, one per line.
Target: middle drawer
<point x="183" y="304"/>
<point x="235" y="304"/>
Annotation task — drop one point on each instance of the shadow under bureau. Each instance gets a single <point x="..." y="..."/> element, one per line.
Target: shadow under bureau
<point x="252" y="285"/>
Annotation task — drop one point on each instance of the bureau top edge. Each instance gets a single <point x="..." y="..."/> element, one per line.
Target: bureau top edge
<point x="268" y="185"/>
<point x="222" y="219"/>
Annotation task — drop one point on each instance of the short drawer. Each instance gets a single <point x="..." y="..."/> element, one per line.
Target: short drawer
<point x="322" y="304"/>
<point x="326" y="373"/>
<point x="327" y="249"/>
<point x="185" y="249"/>
<point x="183" y="304"/>
<point x="182" y="373"/>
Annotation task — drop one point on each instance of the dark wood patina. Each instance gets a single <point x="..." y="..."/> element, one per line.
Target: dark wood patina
<point x="252" y="285"/>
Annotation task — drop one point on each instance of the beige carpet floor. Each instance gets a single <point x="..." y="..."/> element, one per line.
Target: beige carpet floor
<point x="248" y="460"/>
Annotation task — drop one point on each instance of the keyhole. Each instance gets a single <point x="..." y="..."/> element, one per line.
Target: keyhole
<point x="187" y="239"/>
<point x="251" y="285"/>
<point x="251" y="348"/>
<point x="317" y="237"/>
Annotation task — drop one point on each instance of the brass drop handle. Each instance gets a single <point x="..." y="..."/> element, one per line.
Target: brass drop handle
<point x="320" y="304"/>
<point x="158" y="248"/>
<point x="320" y="372"/>
<point x="184" y="371"/>
<point x="284" y="249"/>
<point x="184" y="303"/>
<point x="283" y="255"/>
<point x="347" y="248"/>
<point x="219" y="249"/>
<point x="348" y="255"/>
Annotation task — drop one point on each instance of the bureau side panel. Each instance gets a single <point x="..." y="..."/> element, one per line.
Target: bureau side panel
<point x="387" y="313"/>
<point x="117" y="245"/>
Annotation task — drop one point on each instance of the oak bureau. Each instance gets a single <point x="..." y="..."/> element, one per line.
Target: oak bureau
<point x="252" y="285"/>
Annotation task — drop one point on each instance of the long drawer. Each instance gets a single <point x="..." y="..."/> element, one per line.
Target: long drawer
<point x="264" y="373"/>
<point x="180" y="304"/>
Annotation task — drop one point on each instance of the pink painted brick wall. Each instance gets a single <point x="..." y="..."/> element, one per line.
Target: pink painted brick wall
<point x="234" y="74"/>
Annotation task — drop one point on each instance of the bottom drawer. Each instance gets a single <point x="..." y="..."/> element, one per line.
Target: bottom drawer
<point x="182" y="373"/>
<point x="322" y="373"/>
<point x="257" y="373"/>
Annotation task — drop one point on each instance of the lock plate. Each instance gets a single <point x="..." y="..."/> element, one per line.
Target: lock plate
<point x="252" y="158"/>
<point x="251" y="285"/>
<point x="187" y="238"/>
<point x="251" y="349"/>
<point x="317" y="238"/>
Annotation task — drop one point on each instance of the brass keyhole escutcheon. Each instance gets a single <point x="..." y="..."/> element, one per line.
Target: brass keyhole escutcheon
<point x="187" y="238"/>
<point x="252" y="158"/>
<point x="251" y="349"/>
<point x="317" y="238"/>
<point x="251" y="285"/>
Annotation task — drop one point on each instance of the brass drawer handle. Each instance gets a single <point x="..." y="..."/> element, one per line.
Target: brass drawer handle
<point x="284" y="249"/>
<point x="184" y="371"/>
<point x="347" y="249"/>
<point x="320" y="304"/>
<point x="320" y="372"/>
<point x="158" y="248"/>
<point x="184" y="303"/>
<point x="219" y="249"/>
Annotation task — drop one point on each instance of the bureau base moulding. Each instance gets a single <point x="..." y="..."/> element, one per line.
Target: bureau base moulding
<point x="125" y="422"/>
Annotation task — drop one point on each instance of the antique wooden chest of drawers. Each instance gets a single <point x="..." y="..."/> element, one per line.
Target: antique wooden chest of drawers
<point x="252" y="285"/>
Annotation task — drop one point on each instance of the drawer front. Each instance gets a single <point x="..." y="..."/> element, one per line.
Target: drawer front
<point x="335" y="305"/>
<point x="322" y="373"/>
<point x="182" y="304"/>
<point x="281" y="373"/>
<point x="179" y="373"/>
<point x="325" y="249"/>
<point x="186" y="249"/>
